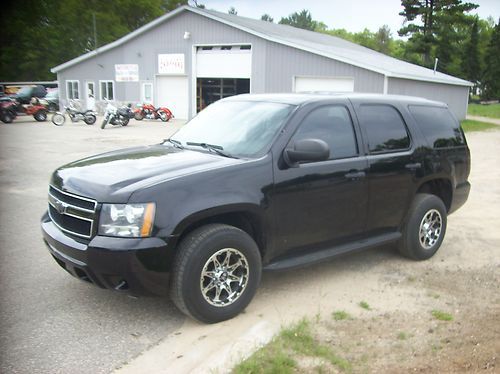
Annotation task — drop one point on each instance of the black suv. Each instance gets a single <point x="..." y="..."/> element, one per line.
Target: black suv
<point x="259" y="182"/>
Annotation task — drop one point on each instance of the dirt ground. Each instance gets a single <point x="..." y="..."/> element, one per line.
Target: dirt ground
<point x="398" y="333"/>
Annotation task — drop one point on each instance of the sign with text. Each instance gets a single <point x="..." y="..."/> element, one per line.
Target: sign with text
<point x="127" y="73"/>
<point x="172" y="63"/>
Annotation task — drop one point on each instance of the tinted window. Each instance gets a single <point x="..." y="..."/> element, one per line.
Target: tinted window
<point x="385" y="128"/>
<point x="333" y="125"/>
<point x="438" y="125"/>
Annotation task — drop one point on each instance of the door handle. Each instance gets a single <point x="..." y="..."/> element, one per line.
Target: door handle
<point x="355" y="175"/>
<point x="416" y="165"/>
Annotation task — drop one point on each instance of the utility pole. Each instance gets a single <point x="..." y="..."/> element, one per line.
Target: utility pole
<point x="95" y="31"/>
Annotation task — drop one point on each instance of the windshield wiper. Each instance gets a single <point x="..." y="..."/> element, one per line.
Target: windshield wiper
<point x="212" y="147"/>
<point x="176" y="143"/>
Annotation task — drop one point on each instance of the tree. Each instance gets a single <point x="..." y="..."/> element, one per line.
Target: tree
<point x="302" y="20"/>
<point x="424" y="19"/>
<point x="198" y="5"/>
<point x="471" y="65"/>
<point x="232" y="10"/>
<point x="267" y="17"/>
<point x="383" y="40"/>
<point x="491" y="80"/>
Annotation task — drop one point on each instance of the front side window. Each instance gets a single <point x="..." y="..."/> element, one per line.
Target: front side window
<point x="239" y="128"/>
<point x="332" y="124"/>
<point x="107" y="90"/>
<point x="385" y="129"/>
<point x="72" y="90"/>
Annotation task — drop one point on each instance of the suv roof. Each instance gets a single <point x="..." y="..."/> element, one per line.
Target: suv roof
<point x="300" y="98"/>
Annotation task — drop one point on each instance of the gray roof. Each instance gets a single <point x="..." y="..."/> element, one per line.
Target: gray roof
<point x="314" y="42"/>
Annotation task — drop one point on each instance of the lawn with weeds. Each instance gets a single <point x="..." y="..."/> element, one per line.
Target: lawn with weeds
<point x="469" y="125"/>
<point x="279" y="356"/>
<point x="442" y="316"/>
<point x="486" y="110"/>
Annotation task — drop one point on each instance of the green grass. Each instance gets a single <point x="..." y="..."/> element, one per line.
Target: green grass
<point x="402" y="336"/>
<point x="470" y="125"/>
<point x="365" y="305"/>
<point x="442" y="316"/>
<point x="491" y="110"/>
<point x="279" y="356"/>
<point x="340" y="315"/>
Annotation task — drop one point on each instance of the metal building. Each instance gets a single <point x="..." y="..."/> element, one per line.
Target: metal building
<point x="191" y="57"/>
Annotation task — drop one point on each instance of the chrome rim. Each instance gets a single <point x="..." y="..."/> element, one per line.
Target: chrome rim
<point x="430" y="228"/>
<point x="224" y="277"/>
<point x="58" y="119"/>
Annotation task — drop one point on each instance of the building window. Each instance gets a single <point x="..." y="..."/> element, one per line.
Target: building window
<point x="72" y="90"/>
<point x="107" y="90"/>
<point x="147" y="93"/>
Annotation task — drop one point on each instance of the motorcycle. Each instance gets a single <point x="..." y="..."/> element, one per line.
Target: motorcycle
<point x="35" y="109"/>
<point x="88" y="116"/>
<point x="150" y="112"/>
<point x="117" y="116"/>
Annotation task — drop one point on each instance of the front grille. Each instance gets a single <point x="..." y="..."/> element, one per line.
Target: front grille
<point x="71" y="213"/>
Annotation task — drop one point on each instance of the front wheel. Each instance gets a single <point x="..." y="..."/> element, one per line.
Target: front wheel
<point x="163" y="116"/>
<point x="58" y="119"/>
<point x="216" y="272"/>
<point x="125" y="121"/>
<point x="424" y="228"/>
<point x="40" y="116"/>
<point x="89" y="119"/>
<point x="138" y="116"/>
<point x="6" y="117"/>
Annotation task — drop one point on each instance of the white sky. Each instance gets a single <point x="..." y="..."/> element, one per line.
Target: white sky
<point x="352" y="15"/>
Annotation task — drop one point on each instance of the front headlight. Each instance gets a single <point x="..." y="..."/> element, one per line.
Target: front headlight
<point x="127" y="220"/>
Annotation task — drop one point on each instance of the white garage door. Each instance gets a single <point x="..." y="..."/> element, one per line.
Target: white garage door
<point x="330" y="84"/>
<point x="172" y="92"/>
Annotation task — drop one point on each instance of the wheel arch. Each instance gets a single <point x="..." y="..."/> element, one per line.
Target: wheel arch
<point x="440" y="187"/>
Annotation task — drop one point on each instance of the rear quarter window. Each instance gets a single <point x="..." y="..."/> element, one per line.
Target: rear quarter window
<point x="440" y="128"/>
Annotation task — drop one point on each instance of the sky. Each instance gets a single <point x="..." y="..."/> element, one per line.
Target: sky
<point x="352" y="15"/>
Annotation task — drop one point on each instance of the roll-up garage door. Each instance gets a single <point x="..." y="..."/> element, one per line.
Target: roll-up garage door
<point x="172" y="92"/>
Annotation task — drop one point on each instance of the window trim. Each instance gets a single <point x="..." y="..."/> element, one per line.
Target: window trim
<point x="365" y="134"/>
<point x="77" y="88"/>
<point x="100" y="89"/>
<point x="353" y="125"/>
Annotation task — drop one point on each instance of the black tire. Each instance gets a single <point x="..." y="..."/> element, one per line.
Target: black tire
<point x="163" y="116"/>
<point x="421" y="240"/>
<point x="125" y="121"/>
<point x="6" y="117"/>
<point x="58" y="119"/>
<point x="40" y="116"/>
<point x="89" y="119"/>
<point x="195" y="253"/>
<point x="138" y="116"/>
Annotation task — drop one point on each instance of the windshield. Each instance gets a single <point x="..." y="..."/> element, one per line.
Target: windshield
<point x="240" y="128"/>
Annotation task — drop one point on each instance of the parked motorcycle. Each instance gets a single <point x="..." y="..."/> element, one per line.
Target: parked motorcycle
<point x="117" y="116"/>
<point x="88" y="116"/>
<point x="150" y="112"/>
<point x="35" y="109"/>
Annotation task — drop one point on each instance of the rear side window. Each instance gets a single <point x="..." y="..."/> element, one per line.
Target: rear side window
<point x="385" y="129"/>
<point x="332" y="124"/>
<point x="438" y="126"/>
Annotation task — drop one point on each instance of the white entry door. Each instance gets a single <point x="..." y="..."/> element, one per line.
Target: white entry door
<point x="172" y="92"/>
<point x="325" y="84"/>
<point x="90" y="95"/>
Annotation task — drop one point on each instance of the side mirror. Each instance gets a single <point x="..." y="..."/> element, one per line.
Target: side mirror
<point x="306" y="150"/>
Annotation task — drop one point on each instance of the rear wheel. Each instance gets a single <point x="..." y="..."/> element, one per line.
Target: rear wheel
<point x="89" y="119"/>
<point x="216" y="272"/>
<point x="40" y="116"/>
<point x="163" y="115"/>
<point x="58" y="119"/>
<point x="425" y="227"/>
<point x="125" y="121"/>
<point x="6" y="117"/>
<point x="138" y="116"/>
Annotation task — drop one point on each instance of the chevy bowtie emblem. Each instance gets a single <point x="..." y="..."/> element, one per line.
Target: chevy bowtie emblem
<point x="60" y="206"/>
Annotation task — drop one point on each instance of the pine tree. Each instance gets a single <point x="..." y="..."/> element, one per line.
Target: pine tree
<point x="491" y="80"/>
<point x="471" y="60"/>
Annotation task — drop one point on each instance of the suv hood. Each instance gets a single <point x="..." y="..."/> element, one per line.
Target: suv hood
<point x="112" y="177"/>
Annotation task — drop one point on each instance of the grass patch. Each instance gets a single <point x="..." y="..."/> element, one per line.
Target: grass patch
<point x="278" y="355"/>
<point x="364" y="305"/>
<point x="491" y="110"/>
<point x="470" y="125"/>
<point x="442" y="316"/>
<point x="402" y="335"/>
<point x="340" y="315"/>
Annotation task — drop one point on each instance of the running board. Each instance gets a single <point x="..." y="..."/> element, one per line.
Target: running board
<point x="320" y="256"/>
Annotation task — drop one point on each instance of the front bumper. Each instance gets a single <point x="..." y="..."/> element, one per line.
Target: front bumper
<point x="138" y="266"/>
